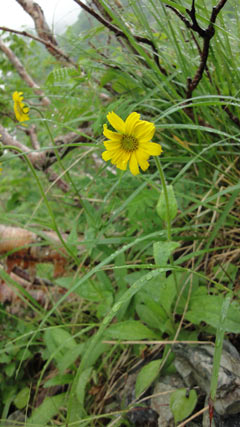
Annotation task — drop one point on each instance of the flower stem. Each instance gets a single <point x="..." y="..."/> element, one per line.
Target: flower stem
<point x="168" y="221"/>
<point x="164" y="186"/>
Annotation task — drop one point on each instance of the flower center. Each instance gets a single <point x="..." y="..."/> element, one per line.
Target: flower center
<point x="129" y="143"/>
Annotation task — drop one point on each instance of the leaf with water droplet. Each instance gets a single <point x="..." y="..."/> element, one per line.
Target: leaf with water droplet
<point x="162" y="251"/>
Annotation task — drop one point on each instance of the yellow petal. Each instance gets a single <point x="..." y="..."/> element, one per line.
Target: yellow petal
<point x="117" y="156"/>
<point x="141" y="159"/>
<point x="142" y="153"/>
<point x="131" y="121"/>
<point x="144" y="131"/>
<point x="114" y="136"/>
<point x="151" y="148"/>
<point x="106" y="155"/>
<point x="133" y="165"/>
<point x="122" y="164"/>
<point x="112" y="145"/>
<point x="116" y="122"/>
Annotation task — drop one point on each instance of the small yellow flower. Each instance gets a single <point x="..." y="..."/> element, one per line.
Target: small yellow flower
<point x="20" y="110"/>
<point x="131" y="143"/>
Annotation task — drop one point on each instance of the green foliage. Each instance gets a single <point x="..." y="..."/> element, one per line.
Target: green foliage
<point x="167" y="209"/>
<point x="146" y="376"/>
<point x="182" y="403"/>
<point x="127" y="278"/>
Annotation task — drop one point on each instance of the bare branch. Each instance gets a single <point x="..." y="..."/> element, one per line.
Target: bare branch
<point x="42" y="160"/>
<point x="54" y="50"/>
<point x="37" y="14"/>
<point x="43" y="30"/>
<point x="57" y="180"/>
<point x="206" y="34"/>
<point x="23" y="73"/>
<point x="31" y="132"/>
<point x="119" y="33"/>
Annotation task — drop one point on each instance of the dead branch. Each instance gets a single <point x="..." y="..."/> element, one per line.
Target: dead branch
<point x="206" y="34"/>
<point x="23" y="73"/>
<point x="54" y="50"/>
<point x="43" y="30"/>
<point x="32" y="133"/>
<point x="192" y="84"/>
<point x="37" y="14"/>
<point x="42" y="160"/>
<point x="38" y="159"/>
<point x="119" y="33"/>
<point x="57" y="180"/>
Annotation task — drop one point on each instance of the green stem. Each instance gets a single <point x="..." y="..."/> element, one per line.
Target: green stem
<point x="164" y="186"/>
<point x="168" y="221"/>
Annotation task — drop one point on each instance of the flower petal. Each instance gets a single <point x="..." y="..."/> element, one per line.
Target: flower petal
<point x="122" y="164"/>
<point x="106" y="155"/>
<point x="142" y="161"/>
<point x="114" y="136"/>
<point x="131" y="122"/>
<point x="116" y="122"/>
<point x="117" y="156"/>
<point x="112" y="145"/>
<point x="151" y="148"/>
<point x="144" y="130"/>
<point x="133" y="165"/>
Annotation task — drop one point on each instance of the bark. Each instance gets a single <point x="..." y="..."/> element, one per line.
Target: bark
<point x="37" y="14"/>
<point x="43" y="30"/>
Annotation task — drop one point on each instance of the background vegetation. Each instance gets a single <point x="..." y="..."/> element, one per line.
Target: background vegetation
<point x="119" y="275"/>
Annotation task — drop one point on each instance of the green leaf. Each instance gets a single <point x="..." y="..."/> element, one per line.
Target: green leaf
<point x="129" y="330"/>
<point x="162" y="251"/>
<point x="147" y="375"/>
<point x="172" y="205"/>
<point x="59" y="380"/>
<point x="81" y="385"/>
<point x="182" y="403"/>
<point x="22" y="398"/>
<point x="167" y="293"/>
<point x="208" y="309"/>
<point x="153" y="318"/>
<point x="10" y="369"/>
<point x="70" y="356"/>
<point x="47" y="410"/>
<point x="58" y="341"/>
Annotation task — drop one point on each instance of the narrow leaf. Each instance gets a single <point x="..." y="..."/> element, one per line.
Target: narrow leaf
<point x="147" y="375"/>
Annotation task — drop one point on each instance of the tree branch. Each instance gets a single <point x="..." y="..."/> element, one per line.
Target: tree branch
<point x="205" y="34"/>
<point x="42" y="160"/>
<point x="43" y="30"/>
<point x="119" y="33"/>
<point x="54" y="50"/>
<point x="23" y="73"/>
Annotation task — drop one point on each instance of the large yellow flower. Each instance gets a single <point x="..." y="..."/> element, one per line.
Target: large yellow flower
<point x="20" y="110"/>
<point x="131" y="143"/>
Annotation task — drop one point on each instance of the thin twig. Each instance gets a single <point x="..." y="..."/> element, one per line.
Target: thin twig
<point x="206" y="34"/>
<point x="119" y="33"/>
<point x="47" y="43"/>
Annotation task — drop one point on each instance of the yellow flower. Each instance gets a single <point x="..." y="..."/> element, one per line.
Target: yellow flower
<point x="131" y="143"/>
<point x="20" y="110"/>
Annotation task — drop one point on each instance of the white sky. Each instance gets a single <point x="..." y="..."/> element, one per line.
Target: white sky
<point x="58" y="13"/>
